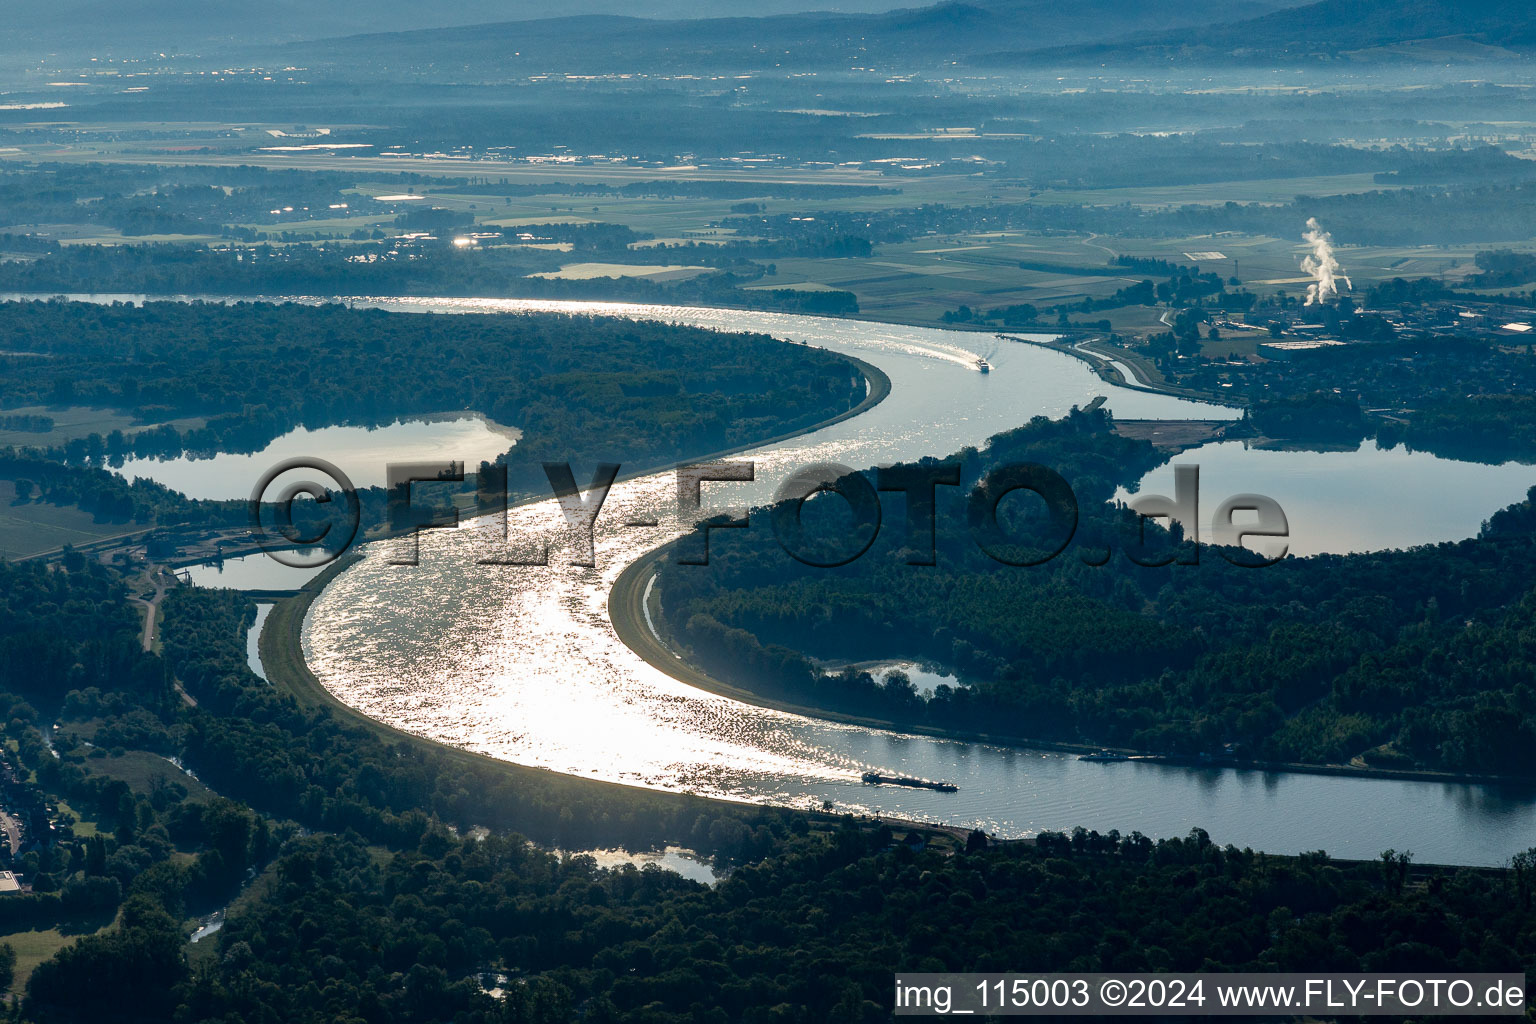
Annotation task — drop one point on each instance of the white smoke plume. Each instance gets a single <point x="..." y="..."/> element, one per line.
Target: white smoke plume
<point x="1322" y="265"/>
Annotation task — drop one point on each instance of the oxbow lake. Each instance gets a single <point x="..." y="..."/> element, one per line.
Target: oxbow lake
<point x="363" y="453"/>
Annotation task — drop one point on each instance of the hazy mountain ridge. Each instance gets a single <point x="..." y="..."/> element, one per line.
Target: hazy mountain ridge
<point x="943" y="32"/>
<point x="492" y="36"/>
<point x="175" y="25"/>
<point x="1329" y="30"/>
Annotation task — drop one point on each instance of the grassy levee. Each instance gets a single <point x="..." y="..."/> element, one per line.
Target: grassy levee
<point x="879" y="390"/>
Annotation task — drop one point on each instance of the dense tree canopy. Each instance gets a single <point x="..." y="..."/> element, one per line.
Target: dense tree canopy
<point x="256" y="370"/>
<point x="1413" y="658"/>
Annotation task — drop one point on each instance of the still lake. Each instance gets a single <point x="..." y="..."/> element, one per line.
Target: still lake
<point x="363" y="453"/>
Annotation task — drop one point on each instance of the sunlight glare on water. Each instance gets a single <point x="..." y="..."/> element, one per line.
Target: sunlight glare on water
<point x="521" y="662"/>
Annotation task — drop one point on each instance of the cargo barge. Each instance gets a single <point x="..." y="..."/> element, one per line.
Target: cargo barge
<point x="876" y="779"/>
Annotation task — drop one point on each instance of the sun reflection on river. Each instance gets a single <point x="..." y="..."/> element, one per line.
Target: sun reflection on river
<point x="521" y="662"/>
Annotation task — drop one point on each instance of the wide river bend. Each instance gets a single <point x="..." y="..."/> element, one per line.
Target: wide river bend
<point x="522" y="662"/>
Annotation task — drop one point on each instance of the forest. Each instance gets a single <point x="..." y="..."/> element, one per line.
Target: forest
<point x="578" y="387"/>
<point x="808" y="935"/>
<point x="1413" y="658"/>
<point x="434" y="266"/>
<point x="1463" y="397"/>
<point x="107" y="496"/>
<point x="69" y="646"/>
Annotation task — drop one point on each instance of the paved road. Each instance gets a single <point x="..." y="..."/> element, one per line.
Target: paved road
<point x="150" y="608"/>
<point x="13" y="830"/>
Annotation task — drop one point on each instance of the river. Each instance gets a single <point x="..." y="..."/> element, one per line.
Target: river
<point x="522" y="663"/>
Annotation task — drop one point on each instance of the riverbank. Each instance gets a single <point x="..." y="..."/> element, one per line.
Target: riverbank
<point x="281" y="646"/>
<point x="1143" y="376"/>
<point x="626" y="610"/>
<point x="877" y="389"/>
<point x="1012" y="794"/>
<point x="281" y="640"/>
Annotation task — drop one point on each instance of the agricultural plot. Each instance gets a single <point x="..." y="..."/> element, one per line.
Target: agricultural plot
<point x="1264" y="190"/>
<point x="32" y="948"/>
<point x="78" y="421"/>
<point x="35" y="527"/>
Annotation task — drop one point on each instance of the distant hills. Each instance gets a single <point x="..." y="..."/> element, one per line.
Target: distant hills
<point x="950" y="31"/>
<point x="607" y="35"/>
<point x="983" y="32"/>
<point x="1354" y="30"/>
<point x="123" y="26"/>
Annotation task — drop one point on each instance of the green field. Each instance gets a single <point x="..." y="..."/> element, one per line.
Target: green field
<point x="70" y="422"/>
<point x="919" y="280"/>
<point x="590" y="271"/>
<point x="143" y="772"/>
<point x="327" y="225"/>
<point x="37" y="527"/>
<point x="100" y="234"/>
<point x="84" y="828"/>
<point x="32" y="948"/>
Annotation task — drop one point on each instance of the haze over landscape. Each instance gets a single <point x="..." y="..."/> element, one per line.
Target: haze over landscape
<point x="747" y="512"/>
